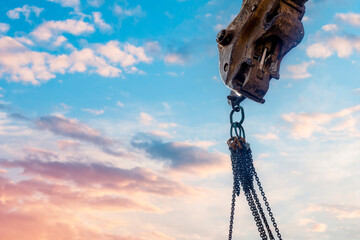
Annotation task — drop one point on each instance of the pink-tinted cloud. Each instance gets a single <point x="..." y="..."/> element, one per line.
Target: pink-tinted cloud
<point x="62" y="200"/>
<point x="181" y="156"/>
<point x="96" y="175"/>
<point x="74" y="129"/>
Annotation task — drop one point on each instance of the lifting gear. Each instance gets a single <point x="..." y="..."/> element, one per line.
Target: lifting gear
<point x="244" y="175"/>
<point x="251" y="49"/>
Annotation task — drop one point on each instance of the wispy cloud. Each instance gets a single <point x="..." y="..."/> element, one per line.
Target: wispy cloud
<point x="343" y="46"/>
<point x="49" y="29"/>
<point x="180" y="156"/>
<point x="25" y="10"/>
<point x="99" y="176"/>
<point x="20" y="64"/>
<point x="174" y="58"/>
<point x="129" y="12"/>
<point x="67" y="3"/>
<point x="99" y="22"/>
<point x="341" y="212"/>
<point x="305" y="125"/>
<point x="62" y="126"/>
<point x="351" y="18"/>
<point x="312" y="225"/>
<point x="93" y="111"/>
<point x="299" y="71"/>
<point x="4" y="27"/>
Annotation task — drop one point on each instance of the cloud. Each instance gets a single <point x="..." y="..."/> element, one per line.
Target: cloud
<point x="300" y="71"/>
<point x="266" y="137"/>
<point x="62" y="126"/>
<point x="20" y="64"/>
<point x="25" y="10"/>
<point x="180" y="156"/>
<point x="93" y="111"/>
<point x="59" y="41"/>
<point x="305" y="125"/>
<point x="341" y="212"/>
<point x="174" y="58"/>
<point x="120" y="104"/>
<point x="343" y="46"/>
<point x="4" y="27"/>
<point x="330" y="28"/>
<point x="145" y="119"/>
<point x="67" y="3"/>
<point x="50" y="206"/>
<point x="131" y="12"/>
<point x="351" y="18"/>
<point x="99" y="22"/>
<point x="312" y="225"/>
<point x="95" y="3"/>
<point x="123" y="54"/>
<point x="356" y="91"/>
<point x="50" y="29"/>
<point x="95" y="176"/>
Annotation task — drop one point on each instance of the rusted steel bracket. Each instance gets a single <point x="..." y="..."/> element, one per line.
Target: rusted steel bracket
<point x="252" y="47"/>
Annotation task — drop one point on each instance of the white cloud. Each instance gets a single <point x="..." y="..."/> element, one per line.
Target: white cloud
<point x="138" y="52"/>
<point x="120" y="104"/>
<point x="25" y="10"/>
<point x="266" y="137"/>
<point x="167" y="125"/>
<point x="312" y="225"/>
<point x="20" y="64"/>
<point x="300" y="71"/>
<point x="67" y="3"/>
<point x="136" y="12"/>
<point x="93" y="111"/>
<point x="356" y="91"/>
<point x="50" y="29"/>
<point x="330" y="28"/>
<point x="172" y="74"/>
<point x="341" y="212"/>
<point x="99" y="22"/>
<point x="126" y="55"/>
<point x="146" y="119"/>
<point x="343" y="46"/>
<point x="59" y="41"/>
<point x="351" y="18"/>
<point x="219" y="26"/>
<point x="95" y="3"/>
<point x="305" y="125"/>
<point x="24" y="40"/>
<point x="319" y="50"/>
<point x="4" y="27"/>
<point x="174" y="58"/>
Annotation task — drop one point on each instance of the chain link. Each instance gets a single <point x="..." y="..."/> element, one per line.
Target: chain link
<point x="249" y="153"/>
<point x="243" y="176"/>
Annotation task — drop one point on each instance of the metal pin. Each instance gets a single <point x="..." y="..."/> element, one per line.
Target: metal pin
<point x="261" y="66"/>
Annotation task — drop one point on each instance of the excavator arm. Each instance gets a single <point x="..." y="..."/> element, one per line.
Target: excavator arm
<point x="252" y="47"/>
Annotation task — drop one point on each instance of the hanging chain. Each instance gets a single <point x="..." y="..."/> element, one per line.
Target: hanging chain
<point x="243" y="176"/>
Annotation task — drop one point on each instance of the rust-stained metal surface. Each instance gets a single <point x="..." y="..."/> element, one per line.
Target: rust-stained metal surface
<point x="252" y="47"/>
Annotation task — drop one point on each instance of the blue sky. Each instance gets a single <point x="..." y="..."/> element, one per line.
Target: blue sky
<point x="114" y="122"/>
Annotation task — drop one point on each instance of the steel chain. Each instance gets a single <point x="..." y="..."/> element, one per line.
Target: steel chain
<point x="243" y="176"/>
<point x="249" y="153"/>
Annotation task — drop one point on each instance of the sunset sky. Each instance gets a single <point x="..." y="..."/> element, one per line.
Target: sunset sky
<point x="114" y="123"/>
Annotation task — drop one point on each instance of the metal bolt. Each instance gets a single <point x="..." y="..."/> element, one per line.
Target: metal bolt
<point x="224" y="37"/>
<point x="220" y="36"/>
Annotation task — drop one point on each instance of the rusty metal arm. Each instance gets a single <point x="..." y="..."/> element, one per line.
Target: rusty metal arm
<point x="252" y="47"/>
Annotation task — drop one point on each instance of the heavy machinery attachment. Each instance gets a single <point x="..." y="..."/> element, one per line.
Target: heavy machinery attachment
<point x="252" y="47"/>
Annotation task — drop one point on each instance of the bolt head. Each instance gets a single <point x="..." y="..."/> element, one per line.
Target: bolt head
<point x="220" y="36"/>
